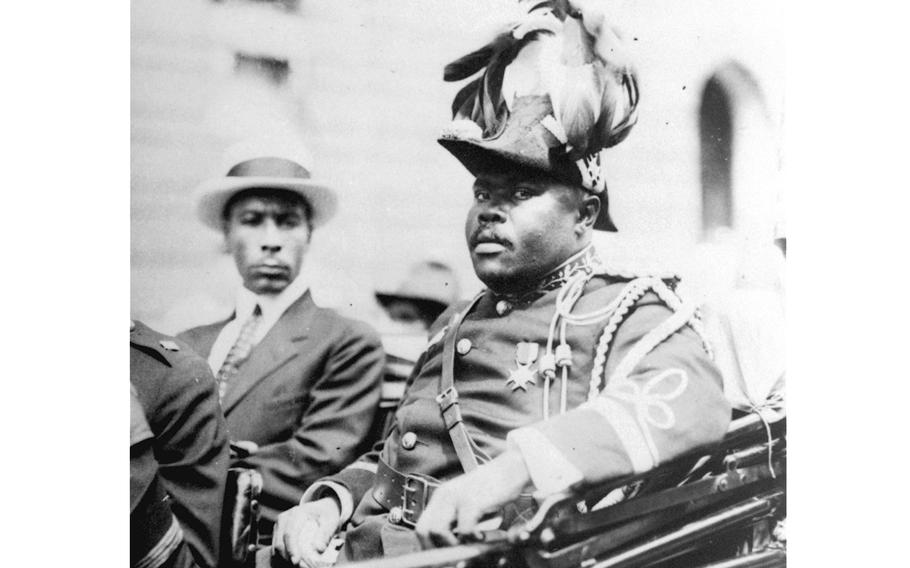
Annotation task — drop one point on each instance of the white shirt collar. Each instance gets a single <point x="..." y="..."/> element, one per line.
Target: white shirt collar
<point x="272" y="306"/>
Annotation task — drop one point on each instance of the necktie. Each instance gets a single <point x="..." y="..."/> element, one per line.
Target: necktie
<point x="239" y="351"/>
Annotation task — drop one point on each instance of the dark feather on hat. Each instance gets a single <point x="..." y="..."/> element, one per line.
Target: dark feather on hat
<point x="561" y="49"/>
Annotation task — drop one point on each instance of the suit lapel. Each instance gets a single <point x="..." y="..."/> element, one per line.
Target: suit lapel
<point x="277" y="348"/>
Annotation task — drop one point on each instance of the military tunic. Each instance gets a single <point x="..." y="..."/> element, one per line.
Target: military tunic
<point x="187" y="458"/>
<point x="623" y="414"/>
<point x="156" y="539"/>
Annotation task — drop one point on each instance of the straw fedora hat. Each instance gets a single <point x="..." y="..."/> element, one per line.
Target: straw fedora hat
<point x="264" y="163"/>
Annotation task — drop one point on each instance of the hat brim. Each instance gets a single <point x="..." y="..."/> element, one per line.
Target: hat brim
<point x="425" y="304"/>
<point x="485" y="155"/>
<point x="212" y="195"/>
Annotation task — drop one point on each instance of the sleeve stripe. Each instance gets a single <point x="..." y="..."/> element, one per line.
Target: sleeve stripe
<point x="650" y="401"/>
<point x="159" y="553"/>
<point x="627" y="430"/>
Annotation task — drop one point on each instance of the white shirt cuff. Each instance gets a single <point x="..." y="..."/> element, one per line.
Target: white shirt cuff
<point x="550" y="471"/>
<point x="319" y="490"/>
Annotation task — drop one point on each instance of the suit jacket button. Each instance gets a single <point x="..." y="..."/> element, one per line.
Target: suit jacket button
<point x="409" y="440"/>
<point x="463" y="346"/>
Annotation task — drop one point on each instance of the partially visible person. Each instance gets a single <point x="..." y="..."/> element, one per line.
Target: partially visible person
<point x="178" y="454"/>
<point x="299" y="384"/>
<point x="156" y="538"/>
<point x="429" y="287"/>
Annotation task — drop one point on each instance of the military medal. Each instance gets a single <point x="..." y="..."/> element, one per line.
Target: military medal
<point x="525" y="355"/>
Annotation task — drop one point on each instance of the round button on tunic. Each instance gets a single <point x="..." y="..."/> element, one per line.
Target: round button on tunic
<point x="409" y="440"/>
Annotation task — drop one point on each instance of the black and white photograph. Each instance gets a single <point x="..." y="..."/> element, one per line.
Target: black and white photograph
<point x="458" y="283"/>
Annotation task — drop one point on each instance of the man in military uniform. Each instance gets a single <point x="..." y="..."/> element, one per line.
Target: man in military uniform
<point x="178" y="454"/>
<point x="564" y="372"/>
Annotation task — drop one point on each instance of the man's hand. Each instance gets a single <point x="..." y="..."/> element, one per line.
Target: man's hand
<point x="302" y="533"/>
<point x="463" y="501"/>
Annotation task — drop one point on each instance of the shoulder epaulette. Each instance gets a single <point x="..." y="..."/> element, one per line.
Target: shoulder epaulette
<point x="684" y="313"/>
<point x="151" y="341"/>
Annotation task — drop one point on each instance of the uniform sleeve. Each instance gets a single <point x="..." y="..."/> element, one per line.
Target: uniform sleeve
<point x="662" y="398"/>
<point x="349" y="485"/>
<point x="156" y="536"/>
<point x="192" y="454"/>
<point x="339" y="415"/>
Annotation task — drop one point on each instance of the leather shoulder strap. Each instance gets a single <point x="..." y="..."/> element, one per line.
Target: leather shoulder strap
<point x="448" y="395"/>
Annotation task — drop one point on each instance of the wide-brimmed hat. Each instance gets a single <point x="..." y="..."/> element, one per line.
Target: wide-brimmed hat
<point x="430" y="284"/>
<point x="268" y="164"/>
<point x="556" y="90"/>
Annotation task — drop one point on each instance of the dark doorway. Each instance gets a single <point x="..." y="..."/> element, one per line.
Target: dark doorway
<point x="716" y="137"/>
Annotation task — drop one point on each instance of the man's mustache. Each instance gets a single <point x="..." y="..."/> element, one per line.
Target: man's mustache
<point x="487" y="235"/>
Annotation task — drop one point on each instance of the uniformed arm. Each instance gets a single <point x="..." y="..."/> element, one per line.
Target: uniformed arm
<point x="339" y="414"/>
<point x="348" y="486"/>
<point x="303" y="532"/>
<point x="352" y="483"/>
<point x="667" y="403"/>
<point x="192" y="453"/>
<point x="653" y="409"/>
<point x="156" y="537"/>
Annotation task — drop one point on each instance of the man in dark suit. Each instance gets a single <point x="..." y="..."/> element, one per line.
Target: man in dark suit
<point x="299" y="384"/>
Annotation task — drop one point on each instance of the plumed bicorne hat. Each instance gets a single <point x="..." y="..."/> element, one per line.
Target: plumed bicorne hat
<point x="556" y="89"/>
<point x="276" y="162"/>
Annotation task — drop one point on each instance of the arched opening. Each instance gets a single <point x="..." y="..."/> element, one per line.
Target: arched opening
<point x="739" y="160"/>
<point x="716" y="137"/>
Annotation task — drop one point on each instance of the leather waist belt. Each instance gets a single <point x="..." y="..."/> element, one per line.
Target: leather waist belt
<point x="404" y="496"/>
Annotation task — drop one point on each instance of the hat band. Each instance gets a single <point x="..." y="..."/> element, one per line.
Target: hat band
<point x="269" y="167"/>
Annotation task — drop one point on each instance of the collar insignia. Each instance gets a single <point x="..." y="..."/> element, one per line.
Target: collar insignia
<point x="169" y="345"/>
<point x="586" y="260"/>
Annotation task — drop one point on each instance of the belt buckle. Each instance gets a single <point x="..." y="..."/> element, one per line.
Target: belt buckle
<point x="414" y="498"/>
